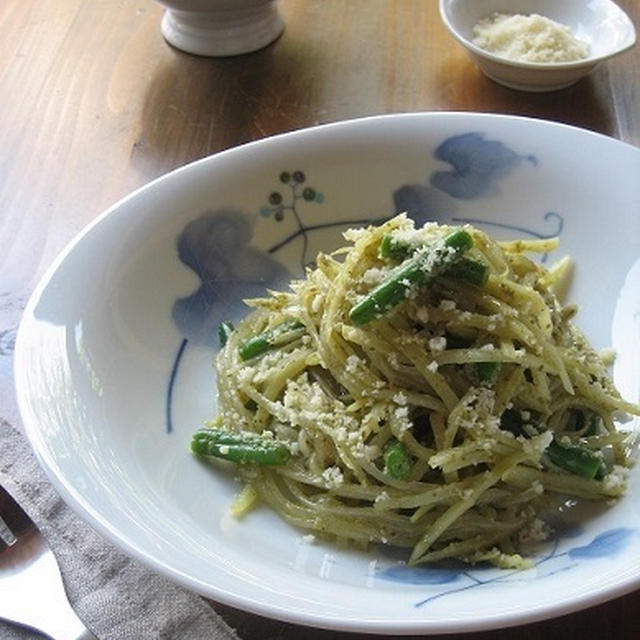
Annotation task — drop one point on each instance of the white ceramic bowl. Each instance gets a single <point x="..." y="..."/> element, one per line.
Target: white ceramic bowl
<point x="601" y="23"/>
<point x="220" y="27"/>
<point x="114" y="354"/>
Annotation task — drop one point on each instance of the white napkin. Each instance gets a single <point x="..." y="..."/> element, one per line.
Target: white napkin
<point x="116" y="597"/>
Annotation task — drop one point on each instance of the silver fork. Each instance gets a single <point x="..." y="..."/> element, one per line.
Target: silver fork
<point x="31" y="590"/>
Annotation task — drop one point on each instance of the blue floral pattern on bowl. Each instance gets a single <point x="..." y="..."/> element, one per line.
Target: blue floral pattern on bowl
<point x="218" y="245"/>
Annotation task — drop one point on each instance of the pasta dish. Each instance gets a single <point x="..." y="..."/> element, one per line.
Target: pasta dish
<point x="422" y="388"/>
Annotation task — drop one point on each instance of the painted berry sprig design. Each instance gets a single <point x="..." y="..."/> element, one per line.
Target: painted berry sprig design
<point x="295" y="189"/>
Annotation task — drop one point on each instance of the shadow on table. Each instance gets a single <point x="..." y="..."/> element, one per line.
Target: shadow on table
<point x="196" y="106"/>
<point x="586" y="104"/>
<point x="617" y="619"/>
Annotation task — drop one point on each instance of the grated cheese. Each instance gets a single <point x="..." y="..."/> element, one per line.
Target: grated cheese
<point x="400" y="398"/>
<point x="447" y="305"/>
<point x="615" y="480"/>
<point x="352" y="362"/>
<point x="528" y="38"/>
<point x="438" y="344"/>
<point x="422" y="314"/>
<point x="333" y="476"/>
<point x="537" y="531"/>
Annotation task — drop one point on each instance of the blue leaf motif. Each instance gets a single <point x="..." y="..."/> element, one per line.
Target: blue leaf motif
<point x="417" y="575"/>
<point x="424" y="204"/>
<point x="217" y="247"/>
<point x="606" y="544"/>
<point x="477" y="164"/>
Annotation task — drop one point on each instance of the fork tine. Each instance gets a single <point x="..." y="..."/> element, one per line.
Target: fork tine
<point x="4" y="530"/>
<point x="14" y="515"/>
<point x="29" y="573"/>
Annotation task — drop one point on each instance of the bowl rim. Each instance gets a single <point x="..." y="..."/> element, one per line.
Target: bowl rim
<point x="583" y="63"/>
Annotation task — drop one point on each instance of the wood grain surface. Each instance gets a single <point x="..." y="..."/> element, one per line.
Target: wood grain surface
<point x="94" y="103"/>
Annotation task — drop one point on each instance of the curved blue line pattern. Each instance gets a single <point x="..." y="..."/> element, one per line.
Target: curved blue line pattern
<point x="171" y="385"/>
<point x="606" y="544"/>
<point x="218" y="245"/>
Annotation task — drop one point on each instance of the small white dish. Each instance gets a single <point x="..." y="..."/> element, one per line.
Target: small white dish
<point x="600" y="23"/>
<point x="113" y="361"/>
<point x="220" y="27"/>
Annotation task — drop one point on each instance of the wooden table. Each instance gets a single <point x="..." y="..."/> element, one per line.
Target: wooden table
<point x="94" y="103"/>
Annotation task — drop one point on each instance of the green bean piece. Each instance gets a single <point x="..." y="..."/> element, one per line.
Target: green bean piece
<point x="576" y="459"/>
<point x="415" y="272"/>
<point x="397" y="462"/>
<point x="280" y="335"/>
<point x="224" y="331"/>
<point x="571" y="457"/>
<point x="395" y="249"/>
<point x="487" y="372"/>
<point x="471" y="271"/>
<point x="241" y="448"/>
